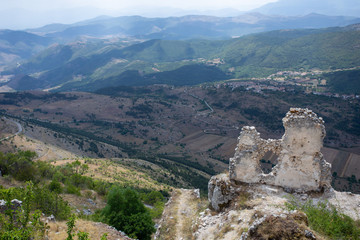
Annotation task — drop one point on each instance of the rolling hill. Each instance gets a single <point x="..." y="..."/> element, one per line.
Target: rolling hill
<point x="295" y="49"/>
<point x="90" y="66"/>
<point x="18" y="45"/>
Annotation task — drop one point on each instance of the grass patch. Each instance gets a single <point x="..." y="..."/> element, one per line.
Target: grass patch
<point x="327" y="220"/>
<point x="243" y="200"/>
<point x="224" y="230"/>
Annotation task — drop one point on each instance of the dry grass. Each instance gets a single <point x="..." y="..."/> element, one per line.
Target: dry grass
<point x="168" y="224"/>
<point x="243" y="199"/>
<point x="57" y="230"/>
<point x="8" y="182"/>
<point x="110" y="171"/>
<point x="224" y="230"/>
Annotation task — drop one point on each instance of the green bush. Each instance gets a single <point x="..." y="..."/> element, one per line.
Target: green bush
<point x="152" y="197"/>
<point x="331" y="222"/>
<point x="20" y="165"/>
<point x="45" y="169"/>
<point x="157" y="211"/>
<point x="55" y="186"/>
<point x="126" y="212"/>
<point x="326" y="220"/>
<point x="58" y="176"/>
<point x="51" y="203"/>
<point x="71" y="189"/>
<point x="101" y="187"/>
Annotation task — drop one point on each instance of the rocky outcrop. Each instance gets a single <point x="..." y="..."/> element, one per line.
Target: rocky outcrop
<point x="220" y="191"/>
<point x="300" y="168"/>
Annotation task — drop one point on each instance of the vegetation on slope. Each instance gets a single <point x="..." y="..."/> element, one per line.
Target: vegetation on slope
<point x="18" y="222"/>
<point x="327" y="220"/>
<point x="171" y="62"/>
<point x="344" y="81"/>
<point x="125" y="212"/>
<point x="293" y="50"/>
<point x="186" y="75"/>
<point x="50" y="182"/>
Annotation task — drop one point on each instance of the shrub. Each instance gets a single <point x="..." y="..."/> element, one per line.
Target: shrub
<point x="20" y="165"/>
<point x="51" y="203"/>
<point x="127" y="213"/>
<point x="71" y="189"/>
<point x="45" y="169"/>
<point x="55" y="186"/>
<point x="153" y="197"/>
<point x="157" y="211"/>
<point x="58" y="176"/>
<point x="101" y="187"/>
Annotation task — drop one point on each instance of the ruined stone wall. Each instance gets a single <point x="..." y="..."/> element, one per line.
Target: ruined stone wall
<point x="301" y="166"/>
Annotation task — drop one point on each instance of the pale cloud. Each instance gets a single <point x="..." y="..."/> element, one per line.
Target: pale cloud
<point x="124" y="4"/>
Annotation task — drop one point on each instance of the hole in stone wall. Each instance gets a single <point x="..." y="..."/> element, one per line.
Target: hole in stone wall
<point x="268" y="162"/>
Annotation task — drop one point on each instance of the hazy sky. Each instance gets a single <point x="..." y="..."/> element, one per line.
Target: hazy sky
<point x="22" y="14"/>
<point x="242" y="5"/>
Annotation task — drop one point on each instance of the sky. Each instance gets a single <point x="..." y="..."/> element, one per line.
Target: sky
<point x="21" y="14"/>
<point x="242" y="5"/>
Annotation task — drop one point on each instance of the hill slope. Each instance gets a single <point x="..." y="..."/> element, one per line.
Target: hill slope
<point x="295" y="49"/>
<point x="92" y="66"/>
<point x="17" y="45"/>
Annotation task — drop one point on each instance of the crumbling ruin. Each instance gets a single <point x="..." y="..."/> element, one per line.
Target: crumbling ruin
<point x="300" y="168"/>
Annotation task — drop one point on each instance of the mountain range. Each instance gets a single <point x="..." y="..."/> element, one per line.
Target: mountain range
<point x="21" y="18"/>
<point x="134" y="50"/>
<point x="187" y="27"/>
<point x="91" y="66"/>
<point x="303" y="7"/>
<point x="16" y="46"/>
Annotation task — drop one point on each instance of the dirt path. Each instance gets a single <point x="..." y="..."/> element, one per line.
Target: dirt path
<point x="185" y="213"/>
<point x="176" y="223"/>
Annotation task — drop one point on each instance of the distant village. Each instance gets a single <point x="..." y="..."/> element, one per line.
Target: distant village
<point x="288" y="81"/>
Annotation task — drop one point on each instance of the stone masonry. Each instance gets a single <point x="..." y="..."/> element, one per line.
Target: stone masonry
<point x="300" y="168"/>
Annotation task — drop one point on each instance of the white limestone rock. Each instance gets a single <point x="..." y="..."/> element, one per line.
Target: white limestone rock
<point x="220" y="191"/>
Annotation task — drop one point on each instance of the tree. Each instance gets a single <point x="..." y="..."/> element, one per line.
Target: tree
<point x="127" y="213"/>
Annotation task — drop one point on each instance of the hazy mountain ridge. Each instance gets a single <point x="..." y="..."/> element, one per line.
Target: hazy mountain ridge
<point x="303" y="7"/>
<point x="17" y="45"/>
<point x="189" y="27"/>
